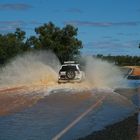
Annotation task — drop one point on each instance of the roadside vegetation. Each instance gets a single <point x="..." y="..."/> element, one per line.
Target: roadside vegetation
<point x="122" y="60"/>
<point x="62" y="41"/>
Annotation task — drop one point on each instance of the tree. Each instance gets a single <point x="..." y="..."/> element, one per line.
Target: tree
<point x="62" y="42"/>
<point x="121" y="60"/>
<point x="12" y="44"/>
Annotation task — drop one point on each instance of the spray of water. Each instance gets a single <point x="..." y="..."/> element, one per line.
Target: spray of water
<point x="30" y="68"/>
<point x="37" y="68"/>
<point x="102" y="74"/>
<point x="42" y="68"/>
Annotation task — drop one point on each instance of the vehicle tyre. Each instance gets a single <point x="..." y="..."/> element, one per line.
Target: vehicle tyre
<point x="70" y="74"/>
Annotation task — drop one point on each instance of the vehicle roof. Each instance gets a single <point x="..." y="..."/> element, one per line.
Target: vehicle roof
<point x="70" y="65"/>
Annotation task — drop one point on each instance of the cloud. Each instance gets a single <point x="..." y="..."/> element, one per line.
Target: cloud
<point x="8" y="26"/>
<point x="100" y="44"/>
<point x="18" y="22"/>
<point x="33" y="22"/>
<point x="107" y="37"/>
<point x="128" y="34"/>
<point x="110" y="38"/>
<point x="102" y="24"/>
<point x="74" y="10"/>
<point x="120" y="34"/>
<point x="115" y="40"/>
<point x="11" y="25"/>
<point x="70" y="10"/>
<point x="15" y="6"/>
<point x="112" y="47"/>
<point x="114" y="43"/>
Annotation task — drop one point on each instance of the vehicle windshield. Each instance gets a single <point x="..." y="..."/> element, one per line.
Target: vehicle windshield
<point x="66" y="68"/>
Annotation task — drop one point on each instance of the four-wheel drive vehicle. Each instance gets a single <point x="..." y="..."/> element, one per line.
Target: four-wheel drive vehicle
<point x="70" y="72"/>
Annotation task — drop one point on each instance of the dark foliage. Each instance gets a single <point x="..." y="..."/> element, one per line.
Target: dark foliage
<point x="121" y="60"/>
<point x="63" y="42"/>
<point x="12" y="44"/>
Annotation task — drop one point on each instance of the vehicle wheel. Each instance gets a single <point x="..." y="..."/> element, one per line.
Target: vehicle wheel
<point x="70" y="74"/>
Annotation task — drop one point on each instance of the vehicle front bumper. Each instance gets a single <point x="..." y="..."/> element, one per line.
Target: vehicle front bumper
<point x="69" y="81"/>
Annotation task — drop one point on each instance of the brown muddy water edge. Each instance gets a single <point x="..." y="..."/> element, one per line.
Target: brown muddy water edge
<point x="123" y="130"/>
<point x="12" y="100"/>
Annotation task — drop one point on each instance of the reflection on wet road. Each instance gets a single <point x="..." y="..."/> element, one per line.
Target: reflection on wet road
<point x="53" y="113"/>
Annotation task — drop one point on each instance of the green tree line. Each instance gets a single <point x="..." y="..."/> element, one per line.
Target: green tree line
<point x="121" y="60"/>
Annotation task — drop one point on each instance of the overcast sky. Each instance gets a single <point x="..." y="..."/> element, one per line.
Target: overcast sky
<point x="105" y="26"/>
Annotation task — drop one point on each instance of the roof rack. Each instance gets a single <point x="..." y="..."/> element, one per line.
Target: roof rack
<point x="69" y="62"/>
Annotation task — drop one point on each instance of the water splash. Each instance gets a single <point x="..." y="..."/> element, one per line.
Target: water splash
<point x="29" y="69"/>
<point x="103" y="74"/>
<point x="37" y="68"/>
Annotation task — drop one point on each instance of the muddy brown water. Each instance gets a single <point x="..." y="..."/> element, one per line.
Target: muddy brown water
<point x="26" y="114"/>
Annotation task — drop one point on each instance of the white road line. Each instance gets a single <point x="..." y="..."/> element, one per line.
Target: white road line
<point x="59" y="135"/>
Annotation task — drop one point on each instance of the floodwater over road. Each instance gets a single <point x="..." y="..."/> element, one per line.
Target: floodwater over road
<point x="34" y="107"/>
<point x="57" y="108"/>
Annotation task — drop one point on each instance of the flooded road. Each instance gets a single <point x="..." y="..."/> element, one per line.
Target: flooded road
<point x="42" y="115"/>
<point x="33" y="106"/>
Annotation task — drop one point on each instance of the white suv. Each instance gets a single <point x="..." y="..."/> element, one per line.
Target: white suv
<point x="70" y="72"/>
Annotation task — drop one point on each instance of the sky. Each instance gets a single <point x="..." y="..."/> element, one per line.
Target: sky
<point x="109" y="27"/>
